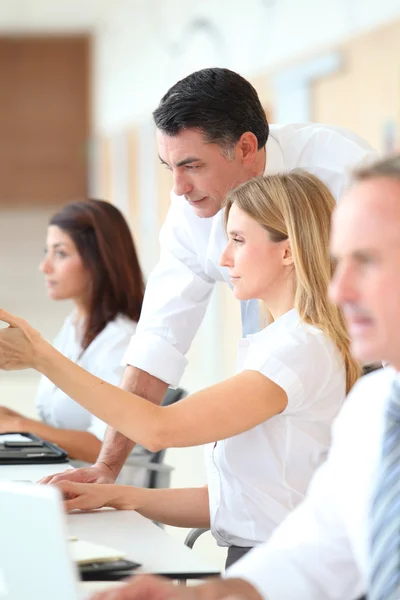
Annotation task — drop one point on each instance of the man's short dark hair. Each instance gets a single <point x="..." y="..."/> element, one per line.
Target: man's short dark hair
<point x="217" y="101"/>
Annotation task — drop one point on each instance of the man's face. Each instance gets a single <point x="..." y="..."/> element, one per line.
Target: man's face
<point x="365" y="243"/>
<point x="201" y="172"/>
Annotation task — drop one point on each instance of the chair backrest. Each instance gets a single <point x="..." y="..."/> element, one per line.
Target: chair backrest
<point x="157" y="477"/>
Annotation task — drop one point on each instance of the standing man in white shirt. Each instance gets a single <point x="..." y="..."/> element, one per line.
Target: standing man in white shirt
<point x="212" y="135"/>
<point x="343" y="540"/>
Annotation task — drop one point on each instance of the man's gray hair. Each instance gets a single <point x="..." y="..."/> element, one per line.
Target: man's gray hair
<point x="387" y="167"/>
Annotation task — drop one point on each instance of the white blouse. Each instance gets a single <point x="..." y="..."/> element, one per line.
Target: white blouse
<point x="102" y="358"/>
<point x="322" y="550"/>
<point x="258" y="477"/>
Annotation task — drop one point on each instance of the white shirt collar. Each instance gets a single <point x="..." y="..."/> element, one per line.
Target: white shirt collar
<point x="274" y="162"/>
<point x="287" y="321"/>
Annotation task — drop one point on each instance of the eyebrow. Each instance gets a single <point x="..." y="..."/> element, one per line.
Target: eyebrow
<point x="235" y="232"/>
<point x="356" y="254"/>
<point x="57" y="245"/>
<point x="181" y="163"/>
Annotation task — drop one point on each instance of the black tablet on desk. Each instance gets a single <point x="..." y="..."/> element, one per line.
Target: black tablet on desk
<point x="27" y="449"/>
<point x="107" y="571"/>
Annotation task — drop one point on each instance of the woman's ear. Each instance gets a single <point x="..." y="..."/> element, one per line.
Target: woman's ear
<point x="287" y="254"/>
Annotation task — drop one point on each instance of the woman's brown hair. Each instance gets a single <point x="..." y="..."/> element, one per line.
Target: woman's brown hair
<point x="106" y="247"/>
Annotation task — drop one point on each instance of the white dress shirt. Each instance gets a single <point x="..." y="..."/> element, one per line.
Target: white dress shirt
<point x="257" y="478"/>
<point x="102" y="358"/>
<point x="180" y="286"/>
<point x="320" y="552"/>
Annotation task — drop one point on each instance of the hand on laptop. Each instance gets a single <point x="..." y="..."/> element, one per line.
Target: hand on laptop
<point x="98" y="473"/>
<point x="147" y="588"/>
<point x="156" y="588"/>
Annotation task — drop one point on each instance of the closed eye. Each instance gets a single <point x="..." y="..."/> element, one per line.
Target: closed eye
<point x="364" y="258"/>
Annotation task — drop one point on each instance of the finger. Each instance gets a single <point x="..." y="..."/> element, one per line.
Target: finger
<point x="147" y="587"/>
<point x="77" y="503"/>
<point x="107" y="595"/>
<point x="56" y="477"/>
<point x="67" y="488"/>
<point x="118" y="593"/>
<point x="45" y="480"/>
<point x="12" y="320"/>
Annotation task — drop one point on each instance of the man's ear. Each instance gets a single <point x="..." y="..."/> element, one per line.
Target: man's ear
<point x="247" y="146"/>
<point x="287" y="257"/>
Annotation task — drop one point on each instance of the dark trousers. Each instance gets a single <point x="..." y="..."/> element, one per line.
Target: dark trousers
<point x="234" y="553"/>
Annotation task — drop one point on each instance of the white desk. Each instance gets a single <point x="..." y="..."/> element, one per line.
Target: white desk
<point x="125" y="530"/>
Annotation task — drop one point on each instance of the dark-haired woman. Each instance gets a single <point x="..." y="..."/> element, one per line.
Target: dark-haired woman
<point x="90" y="258"/>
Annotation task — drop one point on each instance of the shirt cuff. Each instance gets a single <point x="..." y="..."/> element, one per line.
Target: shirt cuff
<point x="157" y="357"/>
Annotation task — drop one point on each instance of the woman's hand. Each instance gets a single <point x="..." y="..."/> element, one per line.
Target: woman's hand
<point x="88" y="496"/>
<point x="148" y="587"/>
<point x="10" y="421"/>
<point x="19" y="343"/>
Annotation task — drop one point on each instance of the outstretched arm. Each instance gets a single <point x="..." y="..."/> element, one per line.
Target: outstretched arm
<point x="218" y="412"/>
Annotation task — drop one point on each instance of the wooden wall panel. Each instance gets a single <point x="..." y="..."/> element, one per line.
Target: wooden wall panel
<point x="44" y="119"/>
<point x="365" y="95"/>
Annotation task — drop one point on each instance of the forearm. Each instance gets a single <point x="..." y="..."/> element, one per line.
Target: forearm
<point x="116" y="446"/>
<point x="80" y="445"/>
<point x="212" y="414"/>
<point x="186" y="507"/>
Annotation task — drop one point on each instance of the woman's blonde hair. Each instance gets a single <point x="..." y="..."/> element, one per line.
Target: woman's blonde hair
<point x="298" y="206"/>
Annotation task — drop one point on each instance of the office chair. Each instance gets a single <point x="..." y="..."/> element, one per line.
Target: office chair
<point x="193" y="535"/>
<point x="158" y="474"/>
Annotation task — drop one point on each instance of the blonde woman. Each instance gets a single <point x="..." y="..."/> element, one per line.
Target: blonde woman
<point x="267" y="429"/>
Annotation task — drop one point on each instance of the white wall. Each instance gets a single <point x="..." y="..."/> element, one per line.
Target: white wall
<point x="144" y="46"/>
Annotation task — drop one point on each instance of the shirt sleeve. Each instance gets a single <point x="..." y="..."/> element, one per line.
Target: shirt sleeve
<point x="177" y="295"/>
<point x="309" y="555"/>
<point x="301" y="363"/>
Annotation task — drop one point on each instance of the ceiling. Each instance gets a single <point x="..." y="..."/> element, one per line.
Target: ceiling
<point x="19" y="17"/>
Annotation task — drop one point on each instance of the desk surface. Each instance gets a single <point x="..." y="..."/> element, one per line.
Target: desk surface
<point x="125" y="530"/>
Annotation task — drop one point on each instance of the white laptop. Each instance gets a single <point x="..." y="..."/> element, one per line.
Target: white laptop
<point x="34" y="559"/>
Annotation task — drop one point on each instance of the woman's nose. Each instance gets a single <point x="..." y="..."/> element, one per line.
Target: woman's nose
<point x="45" y="265"/>
<point x="226" y="259"/>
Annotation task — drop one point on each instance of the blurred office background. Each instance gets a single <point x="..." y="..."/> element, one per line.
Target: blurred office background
<point x="78" y="82"/>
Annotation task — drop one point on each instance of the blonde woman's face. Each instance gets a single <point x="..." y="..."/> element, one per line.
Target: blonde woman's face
<point x="257" y="266"/>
